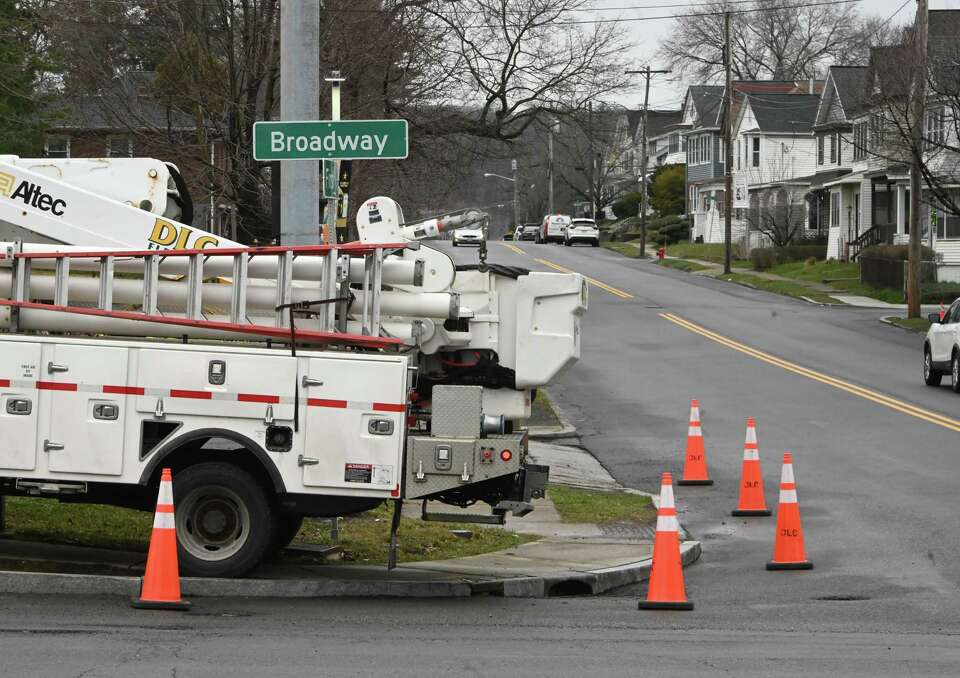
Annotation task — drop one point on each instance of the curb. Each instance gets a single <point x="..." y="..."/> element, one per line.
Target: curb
<point x="563" y="583"/>
<point x="565" y="430"/>
<point x="886" y="321"/>
<point x="569" y="583"/>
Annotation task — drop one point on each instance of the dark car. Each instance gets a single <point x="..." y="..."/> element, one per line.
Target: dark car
<point x="530" y="232"/>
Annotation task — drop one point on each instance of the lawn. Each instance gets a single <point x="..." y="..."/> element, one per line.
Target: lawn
<point x="592" y="506"/>
<point x="624" y="248"/>
<point x="841" y="276"/>
<point x="713" y="252"/>
<point x="683" y="265"/>
<point x="363" y="539"/>
<point x="915" y="324"/>
<point x="785" y="287"/>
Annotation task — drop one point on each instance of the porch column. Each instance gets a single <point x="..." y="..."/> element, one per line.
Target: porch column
<point x="901" y="209"/>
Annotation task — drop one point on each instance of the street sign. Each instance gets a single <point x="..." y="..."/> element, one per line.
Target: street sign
<point x="741" y="195"/>
<point x="339" y="139"/>
<point x="329" y="179"/>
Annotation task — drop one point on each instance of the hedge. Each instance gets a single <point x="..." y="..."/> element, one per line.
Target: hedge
<point x="768" y="257"/>
<point x="896" y="252"/>
<point x="934" y="293"/>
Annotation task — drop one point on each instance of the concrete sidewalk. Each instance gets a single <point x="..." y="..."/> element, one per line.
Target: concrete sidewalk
<point x="571" y="559"/>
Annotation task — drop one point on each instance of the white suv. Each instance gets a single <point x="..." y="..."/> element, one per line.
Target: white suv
<point x="941" y="348"/>
<point x="582" y="230"/>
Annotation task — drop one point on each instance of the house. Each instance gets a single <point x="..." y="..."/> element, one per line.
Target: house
<point x="775" y="150"/>
<point x="833" y="203"/>
<point x="704" y="114"/>
<point x="875" y="195"/>
<point x="664" y="139"/>
<point x="126" y="121"/>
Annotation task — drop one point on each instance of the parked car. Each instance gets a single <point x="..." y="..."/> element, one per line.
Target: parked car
<point x="508" y="233"/>
<point x="941" y="348"/>
<point x="530" y="232"/>
<point x="467" y="236"/>
<point x="582" y="231"/>
<point x="554" y="228"/>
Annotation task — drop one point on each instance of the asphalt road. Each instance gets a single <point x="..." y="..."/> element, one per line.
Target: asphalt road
<point x="876" y="472"/>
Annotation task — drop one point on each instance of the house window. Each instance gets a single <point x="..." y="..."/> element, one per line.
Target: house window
<point x="756" y="152"/>
<point x="860" y="141"/>
<point x="834" y="209"/>
<point x="876" y="131"/>
<point x="948" y="225"/>
<point x="708" y="148"/>
<point x="833" y="148"/>
<point x="120" y="147"/>
<point x="819" y="149"/>
<point x="935" y="126"/>
<point x="673" y="143"/>
<point x="56" y="147"/>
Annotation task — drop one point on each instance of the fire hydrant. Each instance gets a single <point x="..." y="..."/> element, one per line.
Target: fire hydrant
<point x="661" y="253"/>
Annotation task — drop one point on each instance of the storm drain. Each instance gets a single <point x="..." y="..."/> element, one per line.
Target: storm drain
<point x="632" y="531"/>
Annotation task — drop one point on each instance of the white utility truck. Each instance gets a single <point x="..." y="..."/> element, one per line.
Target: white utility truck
<point x="277" y="382"/>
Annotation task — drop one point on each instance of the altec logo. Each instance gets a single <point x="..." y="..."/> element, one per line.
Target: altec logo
<point x="32" y="195"/>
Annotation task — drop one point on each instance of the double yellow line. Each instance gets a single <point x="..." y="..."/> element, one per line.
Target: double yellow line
<point x="867" y="394"/>
<point x="612" y="290"/>
<point x="513" y="247"/>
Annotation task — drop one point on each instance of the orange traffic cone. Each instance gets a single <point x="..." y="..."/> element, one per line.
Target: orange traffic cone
<point x="788" y="552"/>
<point x="752" y="502"/>
<point x="695" y="465"/>
<point x="160" y="588"/>
<point x="665" y="590"/>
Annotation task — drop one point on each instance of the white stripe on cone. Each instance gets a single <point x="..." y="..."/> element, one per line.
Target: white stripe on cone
<point x="667" y="524"/>
<point x="751" y="455"/>
<point x="666" y="496"/>
<point x="788" y="496"/>
<point x="786" y="475"/>
<point x="694" y="432"/>
<point x="163" y="521"/>
<point x="165" y="495"/>
<point x="751" y="435"/>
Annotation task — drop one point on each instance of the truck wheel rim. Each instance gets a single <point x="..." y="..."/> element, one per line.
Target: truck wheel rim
<point x="213" y="523"/>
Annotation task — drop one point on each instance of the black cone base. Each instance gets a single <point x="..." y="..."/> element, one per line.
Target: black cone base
<point x="802" y="565"/>
<point x="751" y="512"/>
<point x="655" y="605"/>
<point x="141" y="604"/>
<point x="694" y="482"/>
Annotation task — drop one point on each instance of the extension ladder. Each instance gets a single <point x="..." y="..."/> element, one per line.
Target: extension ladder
<point x="329" y="311"/>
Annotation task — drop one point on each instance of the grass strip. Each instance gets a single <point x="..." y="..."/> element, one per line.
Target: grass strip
<point x="363" y="538"/>
<point x="683" y="265"/>
<point x="576" y="505"/>
<point x="624" y="248"/>
<point x="914" y="324"/>
<point x="787" y="288"/>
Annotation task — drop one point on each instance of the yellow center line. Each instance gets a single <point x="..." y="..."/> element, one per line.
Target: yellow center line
<point x="512" y="247"/>
<point x="868" y="394"/>
<point x="612" y="290"/>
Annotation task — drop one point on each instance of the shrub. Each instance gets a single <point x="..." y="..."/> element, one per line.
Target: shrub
<point x="896" y="252"/>
<point x="811" y="261"/>
<point x="627" y="206"/>
<point x="768" y="257"/>
<point x="934" y="293"/>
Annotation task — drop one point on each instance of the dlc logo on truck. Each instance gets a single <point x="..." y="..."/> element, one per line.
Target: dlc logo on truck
<point x="31" y="194"/>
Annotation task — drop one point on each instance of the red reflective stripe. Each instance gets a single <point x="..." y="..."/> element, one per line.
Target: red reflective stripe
<point x="788" y="486"/>
<point x="388" y="407"/>
<point x="164" y="508"/>
<point x="258" y="398"/>
<point x="198" y="395"/>
<point x="4" y="382"/>
<point x="323" y="402"/>
<point x="55" y="386"/>
<point x="667" y="512"/>
<point x="124" y="390"/>
<point x="694" y="423"/>
<point x="750" y="446"/>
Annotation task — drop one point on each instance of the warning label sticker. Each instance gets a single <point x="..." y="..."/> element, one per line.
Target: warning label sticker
<point x="358" y="473"/>
<point x="383" y="475"/>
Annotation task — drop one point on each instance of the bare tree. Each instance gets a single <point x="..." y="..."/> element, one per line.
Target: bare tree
<point x="771" y="39"/>
<point x="778" y="213"/>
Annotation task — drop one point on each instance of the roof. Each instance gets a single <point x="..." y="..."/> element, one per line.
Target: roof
<point x="706" y="101"/>
<point x="817" y="180"/>
<point x="126" y="103"/>
<point x="851" y="83"/>
<point x="658" y="121"/>
<point x="787" y="113"/>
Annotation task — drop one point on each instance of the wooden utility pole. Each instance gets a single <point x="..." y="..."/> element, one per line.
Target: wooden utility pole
<point x="646" y="72"/>
<point x="728" y="150"/>
<point x="918" y="108"/>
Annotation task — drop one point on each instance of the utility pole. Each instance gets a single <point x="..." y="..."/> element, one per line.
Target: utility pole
<point x="516" y="195"/>
<point x="300" y="100"/>
<point x="918" y="104"/>
<point x="646" y="72"/>
<point x="550" y="129"/>
<point x="728" y="150"/>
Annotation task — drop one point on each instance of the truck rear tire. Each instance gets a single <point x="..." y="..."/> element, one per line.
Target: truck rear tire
<point x="224" y="519"/>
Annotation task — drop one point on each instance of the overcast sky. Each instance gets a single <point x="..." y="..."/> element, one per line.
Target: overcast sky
<point x="666" y="93"/>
